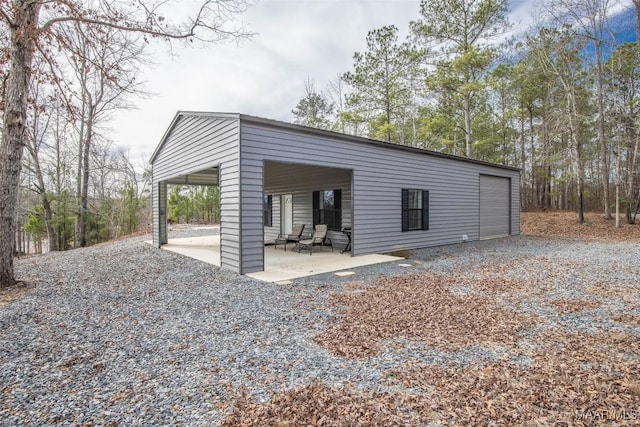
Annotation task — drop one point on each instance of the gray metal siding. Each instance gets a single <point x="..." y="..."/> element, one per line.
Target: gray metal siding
<point x="230" y="216"/>
<point x="379" y="175"/>
<point x="155" y="211"/>
<point x="494" y="206"/>
<point x="196" y="143"/>
<point x="303" y="209"/>
<point x="252" y="235"/>
<point x="515" y="205"/>
<point x="159" y="209"/>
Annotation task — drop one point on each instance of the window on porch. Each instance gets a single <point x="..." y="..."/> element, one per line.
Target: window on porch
<point x="327" y="208"/>
<point x="267" y="210"/>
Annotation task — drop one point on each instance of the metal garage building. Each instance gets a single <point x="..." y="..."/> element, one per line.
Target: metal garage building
<point x="273" y="174"/>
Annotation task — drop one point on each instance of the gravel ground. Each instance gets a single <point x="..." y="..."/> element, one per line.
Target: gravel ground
<point x="124" y="334"/>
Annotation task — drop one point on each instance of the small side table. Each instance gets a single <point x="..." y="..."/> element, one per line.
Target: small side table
<point x="347" y="231"/>
<point x="283" y="240"/>
<point x="280" y="240"/>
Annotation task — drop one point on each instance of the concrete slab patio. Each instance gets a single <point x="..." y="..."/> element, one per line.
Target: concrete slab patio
<point x="279" y="265"/>
<point x="202" y="248"/>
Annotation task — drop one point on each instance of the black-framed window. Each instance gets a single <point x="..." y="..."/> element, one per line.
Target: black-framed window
<point x="327" y="208"/>
<point x="267" y="210"/>
<point x="415" y="209"/>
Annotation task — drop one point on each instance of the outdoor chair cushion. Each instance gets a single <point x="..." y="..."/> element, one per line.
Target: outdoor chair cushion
<point x="316" y="239"/>
<point x="296" y="233"/>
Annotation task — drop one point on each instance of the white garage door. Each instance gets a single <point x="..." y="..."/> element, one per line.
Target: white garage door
<point x="495" y="215"/>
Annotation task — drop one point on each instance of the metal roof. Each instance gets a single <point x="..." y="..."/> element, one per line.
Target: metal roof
<point x="320" y="132"/>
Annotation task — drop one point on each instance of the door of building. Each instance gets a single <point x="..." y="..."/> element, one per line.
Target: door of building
<point x="286" y="213"/>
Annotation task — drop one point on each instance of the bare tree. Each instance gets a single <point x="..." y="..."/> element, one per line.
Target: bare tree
<point x="105" y="76"/>
<point x="622" y="86"/>
<point x="314" y="108"/>
<point x="589" y="21"/>
<point x="557" y="54"/>
<point x="35" y="25"/>
<point x="336" y="95"/>
<point x="636" y="5"/>
<point x="42" y="117"/>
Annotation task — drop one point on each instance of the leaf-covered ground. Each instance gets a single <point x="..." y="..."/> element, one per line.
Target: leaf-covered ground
<point x="567" y="380"/>
<point x="564" y="327"/>
<point x="13" y="293"/>
<point x="549" y="375"/>
<point x="421" y="307"/>
<point x="520" y="331"/>
<point x="317" y="404"/>
<point x="570" y="379"/>
<point x="565" y="224"/>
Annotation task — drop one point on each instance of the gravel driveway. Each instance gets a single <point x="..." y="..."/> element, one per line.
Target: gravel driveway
<point x="124" y="334"/>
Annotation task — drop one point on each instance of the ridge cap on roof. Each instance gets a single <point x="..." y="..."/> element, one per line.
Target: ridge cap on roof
<point x="322" y="132"/>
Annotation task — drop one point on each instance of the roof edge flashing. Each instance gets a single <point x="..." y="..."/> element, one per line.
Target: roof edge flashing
<point x="322" y="133"/>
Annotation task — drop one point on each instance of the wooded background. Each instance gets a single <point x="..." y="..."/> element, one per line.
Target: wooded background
<point x="560" y="102"/>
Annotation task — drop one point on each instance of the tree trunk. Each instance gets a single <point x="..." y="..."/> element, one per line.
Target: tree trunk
<point x="467" y="124"/>
<point x="84" y="153"/>
<point x="523" y="164"/>
<point x="388" y="114"/>
<point x="81" y="138"/>
<point x="18" y="239"/>
<point x="534" y="180"/>
<point x="51" y="233"/>
<point x="84" y="195"/>
<point x="546" y="167"/>
<point x="636" y="3"/>
<point x="59" y="232"/>
<point x="604" y="157"/>
<point x="46" y="203"/>
<point x="503" y="128"/>
<point x="576" y="148"/>
<point x="618" y="173"/>
<point x="21" y="55"/>
<point x="580" y="184"/>
<point x="578" y="154"/>
<point x="632" y="156"/>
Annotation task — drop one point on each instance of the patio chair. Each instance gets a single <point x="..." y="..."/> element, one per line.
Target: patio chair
<point x="316" y="239"/>
<point x="294" y="236"/>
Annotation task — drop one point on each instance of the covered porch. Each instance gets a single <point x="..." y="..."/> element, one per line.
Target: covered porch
<point x="280" y="266"/>
<point x="306" y="195"/>
<point x="292" y="193"/>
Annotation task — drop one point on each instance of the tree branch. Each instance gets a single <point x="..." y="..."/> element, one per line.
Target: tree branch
<point x="7" y="18"/>
<point x="153" y="25"/>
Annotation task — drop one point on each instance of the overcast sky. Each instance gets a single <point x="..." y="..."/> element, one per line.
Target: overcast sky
<point x="295" y="40"/>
